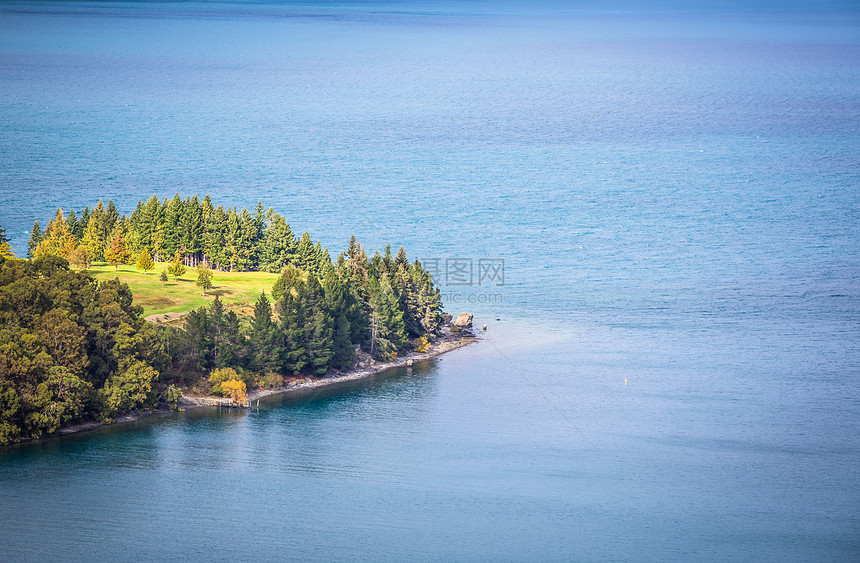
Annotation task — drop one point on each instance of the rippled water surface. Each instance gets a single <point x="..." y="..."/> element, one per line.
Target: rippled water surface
<point x="674" y="192"/>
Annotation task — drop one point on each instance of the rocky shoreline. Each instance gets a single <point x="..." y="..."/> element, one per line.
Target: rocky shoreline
<point x="460" y="337"/>
<point x="445" y="343"/>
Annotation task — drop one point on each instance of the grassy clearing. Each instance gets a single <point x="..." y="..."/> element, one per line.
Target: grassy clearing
<point x="183" y="294"/>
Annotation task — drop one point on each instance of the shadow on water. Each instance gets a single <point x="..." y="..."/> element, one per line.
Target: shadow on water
<point x="390" y="382"/>
<point x="146" y="431"/>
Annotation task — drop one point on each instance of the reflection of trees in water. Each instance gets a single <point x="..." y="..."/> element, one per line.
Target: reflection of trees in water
<point x="333" y="429"/>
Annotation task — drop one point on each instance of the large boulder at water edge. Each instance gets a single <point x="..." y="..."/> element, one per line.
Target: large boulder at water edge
<point x="464" y="320"/>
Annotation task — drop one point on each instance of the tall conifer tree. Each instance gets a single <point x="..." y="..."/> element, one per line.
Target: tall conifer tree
<point x="337" y="304"/>
<point x="265" y="338"/>
<point x="318" y="330"/>
<point x="306" y="257"/>
<point x="57" y="240"/>
<point x="35" y="239"/>
<point x="292" y="322"/>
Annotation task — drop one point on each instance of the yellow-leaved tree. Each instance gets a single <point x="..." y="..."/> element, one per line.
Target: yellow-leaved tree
<point x="117" y="253"/>
<point x="57" y="240"/>
<point x="145" y="262"/>
<point x="220" y="375"/>
<point x="236" y="390"/>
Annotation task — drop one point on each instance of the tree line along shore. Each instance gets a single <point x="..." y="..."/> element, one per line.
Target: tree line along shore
<point x="73" y="348"/>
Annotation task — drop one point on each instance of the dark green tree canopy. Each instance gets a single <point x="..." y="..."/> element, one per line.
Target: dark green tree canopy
<point x="63" y="339"/>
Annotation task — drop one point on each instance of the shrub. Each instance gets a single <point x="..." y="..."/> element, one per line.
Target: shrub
<point x="172" y="396"/>
<point x="272" y="380"/>
<point x="218" y="376"/>
<point x="422" y="344"/>
<point x="236" y="390"/>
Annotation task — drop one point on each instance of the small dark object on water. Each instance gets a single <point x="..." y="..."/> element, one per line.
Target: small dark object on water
<point x="485" y="327"/>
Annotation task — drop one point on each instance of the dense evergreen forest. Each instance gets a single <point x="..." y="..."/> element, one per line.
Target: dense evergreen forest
<point x="72" y="348"/>
<point x="225" y="239"/>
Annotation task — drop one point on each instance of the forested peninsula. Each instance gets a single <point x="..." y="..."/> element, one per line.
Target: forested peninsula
<point x="74" y="349"/>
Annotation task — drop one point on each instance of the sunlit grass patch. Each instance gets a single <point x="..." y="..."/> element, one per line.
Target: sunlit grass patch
<point x="183" y="294"/>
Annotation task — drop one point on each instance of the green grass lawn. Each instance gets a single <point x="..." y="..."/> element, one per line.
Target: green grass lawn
<point x="183" y="294"/>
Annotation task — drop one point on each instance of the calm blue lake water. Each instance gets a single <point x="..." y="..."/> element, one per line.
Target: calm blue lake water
<point x="674" y="193"/>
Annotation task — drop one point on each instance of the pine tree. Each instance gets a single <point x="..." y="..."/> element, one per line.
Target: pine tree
<point x="305" y="256"/>
<point x="353" y="249"/>
<point x="117" y="253"/>
<point x="200" y="348"/>
<point x="204" y="277"/>
<point x="232" y="238"/>
<point x="358" y="313"/>
<point x="337" y="305"/>
<point x="172" y="217"/>
<point x="401" y="259"/>
<point x="185" y="237"/>
<point x="376" y="265"/>
<point x="83" y="223"/>
<point x="288" y="282"/>
<point x="145" y="262"/>
<point x="355" y="273"/>
<point x="247" y="243"/>
<point x="57" y="240"/>
<point x="292" y="323"/>
<point x="111" y="217"/>
<point x="176" y="268"/>
<point x="137" y="216"/>
<point x="93" y="238"/>
<point x="194" y="227"/>
<point x="5" y="248"/>
<point x="387" y="260"/>
<point x="407" y="299"/>
<point x="429" y="308"/>
<point x="319" y="332"/>
<point x="72" y="222"/>
<point x="318" y="342"/>
<point x="214" y="244"/>
<point x="343" y="351"/>
<point x="278" y="247"/>
<point x="158" y="240"/>
<point x="151" y="221"/>
<point x="260" y="233"/>
<point x="225" y="335"/>
<point x="265" y="338"/>
<point x="207" y="211"/>
<point x="391" y="331"/>
<point x="35" y="239"/>
<point x="132" y="241"/>
<point x="322" y="261"/>
<point x="163" y="277"/>
<point x="99" y="230"/>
